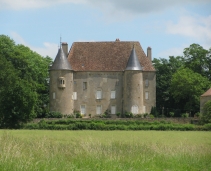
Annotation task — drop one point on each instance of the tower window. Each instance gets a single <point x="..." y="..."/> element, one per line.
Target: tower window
<point x="54" y="95"/>
<point x="134" y="109"/>
<point x="61" y="82"/>
<point x="146" y="95"/>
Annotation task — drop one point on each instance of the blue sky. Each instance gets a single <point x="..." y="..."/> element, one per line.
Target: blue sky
<point x="167" y="26"/>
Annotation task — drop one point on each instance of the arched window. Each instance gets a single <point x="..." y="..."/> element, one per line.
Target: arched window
<point x="61" y="82"/>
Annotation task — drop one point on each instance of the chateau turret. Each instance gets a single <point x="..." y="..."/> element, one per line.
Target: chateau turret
<point x="61" y="84"/>
<point x="133" y="85"/>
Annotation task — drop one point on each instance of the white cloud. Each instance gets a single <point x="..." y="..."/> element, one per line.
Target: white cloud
<point x="197" y="28"/>
<point x="48" y="49"/>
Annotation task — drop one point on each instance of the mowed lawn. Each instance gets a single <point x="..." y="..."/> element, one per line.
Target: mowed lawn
<point x="104" y="150"/>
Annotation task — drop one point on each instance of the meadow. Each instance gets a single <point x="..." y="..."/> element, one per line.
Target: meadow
<point x="45" y="150"/>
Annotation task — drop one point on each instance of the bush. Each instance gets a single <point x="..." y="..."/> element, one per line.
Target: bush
<point x="54" y="114"/>
<point x="128" y="115"/>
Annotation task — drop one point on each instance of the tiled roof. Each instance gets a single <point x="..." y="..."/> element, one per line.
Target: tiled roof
<point x="207" y="93"/>
<point x="105" y="56"/>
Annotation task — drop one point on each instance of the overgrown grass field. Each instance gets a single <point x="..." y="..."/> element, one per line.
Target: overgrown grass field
<point x="104" y="150"/>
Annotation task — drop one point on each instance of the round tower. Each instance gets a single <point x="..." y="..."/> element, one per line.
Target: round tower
<point x="61" y="84"/>
<point x="133" y="86"/>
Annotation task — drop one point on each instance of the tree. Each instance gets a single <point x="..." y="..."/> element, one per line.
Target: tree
<point x="165" y="68"/>
<point x="23" y="84"/>
<point x="198" y="60"/>
<point x="206" y="115"/>
<point x="186" y="88"/>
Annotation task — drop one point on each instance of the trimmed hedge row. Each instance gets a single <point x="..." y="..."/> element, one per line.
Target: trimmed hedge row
<point x="114" y="125"/>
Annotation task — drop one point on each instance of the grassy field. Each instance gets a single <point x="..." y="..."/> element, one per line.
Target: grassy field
<point x="104" y="150"/>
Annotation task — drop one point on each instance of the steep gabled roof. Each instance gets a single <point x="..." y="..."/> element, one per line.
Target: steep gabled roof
<point x="106" y="56"/>
<point x="61" y="62"/>
<point x="133" y="62"/>
<point x="207" y="93"/>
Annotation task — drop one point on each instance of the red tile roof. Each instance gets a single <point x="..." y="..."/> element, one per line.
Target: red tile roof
<point x="105" y="56"/>
<point x="207" y="93"/>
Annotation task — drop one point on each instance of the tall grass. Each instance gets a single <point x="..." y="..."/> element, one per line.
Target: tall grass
<point x="104" y="150"/>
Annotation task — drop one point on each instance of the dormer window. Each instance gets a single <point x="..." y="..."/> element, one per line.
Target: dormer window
<point x="61" y="82"/>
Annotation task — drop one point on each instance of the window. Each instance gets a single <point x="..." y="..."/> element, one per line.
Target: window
<point x="113" y="94"/>
<point x="99" y="109"/>
<point x="146" y="82"/>
<point x="83" y="109"/>
<point x="61" y="82"/>
<point x="84" y="85"/>
<point x="134" y="109"/>
<point x="113" y="109"/>
<point x="54" y="95"/>
<point x="99" y="94"/>
<point x="146" y="95"/>
<point x="74" y="96"/>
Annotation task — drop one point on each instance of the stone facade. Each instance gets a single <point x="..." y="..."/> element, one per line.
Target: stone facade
<point x="103" y="76"/>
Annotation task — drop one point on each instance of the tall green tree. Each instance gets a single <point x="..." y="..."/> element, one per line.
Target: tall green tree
<point x="23" y="84"/>
<point x="186" y="88"/>
<point x="198" y="60"/>
<point x="165" y="68"/>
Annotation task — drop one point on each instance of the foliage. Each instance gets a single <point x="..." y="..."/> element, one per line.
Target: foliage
<point x="171" y="114"/>
<point x="187" y="86"/>
<point x="70" y="124"/>
<point x="24" y="89"/>
<point x="54" y="114"/>
<point x="128" y="114"/>
<point x="206" y="114"/>
<point x="164" y="70"/>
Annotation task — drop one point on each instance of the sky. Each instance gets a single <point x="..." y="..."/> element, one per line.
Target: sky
<point x="167" y="26"/>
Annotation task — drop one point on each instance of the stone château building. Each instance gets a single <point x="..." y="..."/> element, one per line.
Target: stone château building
<point x="95" y="77"/>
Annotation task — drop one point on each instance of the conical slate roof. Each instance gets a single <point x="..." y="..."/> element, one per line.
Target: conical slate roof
<point x="61" y="62"/>
<point x="133" y="62"/>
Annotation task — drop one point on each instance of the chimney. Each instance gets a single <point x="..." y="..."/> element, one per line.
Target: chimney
<point x="65" y="48"/>
<point x="149" y="53"/>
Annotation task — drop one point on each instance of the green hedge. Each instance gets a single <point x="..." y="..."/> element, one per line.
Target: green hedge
<point x="70" y="124"/>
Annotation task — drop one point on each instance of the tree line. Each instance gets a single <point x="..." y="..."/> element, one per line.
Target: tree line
<point x="181" y="80"/>
<point x="24" y="87"/>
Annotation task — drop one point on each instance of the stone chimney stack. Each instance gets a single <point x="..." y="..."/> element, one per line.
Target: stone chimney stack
<point x="149" y="53"/>
<point x="65" y="48"/>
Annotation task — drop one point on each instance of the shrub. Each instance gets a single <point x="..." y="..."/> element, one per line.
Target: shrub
<point x="171" y="114"/>
<point x="54" y="114"/>
<point x="185" y="115"/>
<point x="118" y="114"/>
<point x="128" y="115"/>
